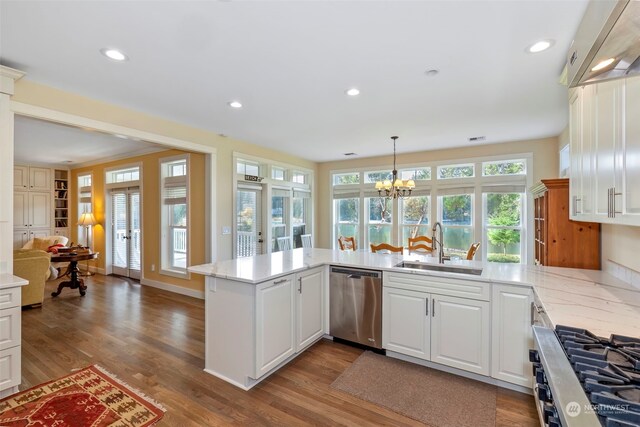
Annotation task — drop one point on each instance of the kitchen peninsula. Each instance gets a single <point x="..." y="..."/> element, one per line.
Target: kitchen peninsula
<point x="262" y="311"/>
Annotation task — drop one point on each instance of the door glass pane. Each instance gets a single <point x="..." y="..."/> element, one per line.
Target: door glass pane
<point x="247" y="220"/>
<point x="278" y="220"/>
<point x="119" y="232"/>
<point x="134" y="254"/>
<point x="299" y="206"/>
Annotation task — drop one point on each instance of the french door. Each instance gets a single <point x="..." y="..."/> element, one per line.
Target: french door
<point x="126" y="235"/>
<point x="249" y="236"/>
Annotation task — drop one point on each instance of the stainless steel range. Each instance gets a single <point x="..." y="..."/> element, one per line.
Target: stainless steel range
<point x="584" y="380"/>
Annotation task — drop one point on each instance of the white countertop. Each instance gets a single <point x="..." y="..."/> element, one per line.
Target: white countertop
<point x="11" y="281"/>
<point x="587" y="299"/>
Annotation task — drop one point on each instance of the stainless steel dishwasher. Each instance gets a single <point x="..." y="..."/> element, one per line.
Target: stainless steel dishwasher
<point x="356" y="305"/>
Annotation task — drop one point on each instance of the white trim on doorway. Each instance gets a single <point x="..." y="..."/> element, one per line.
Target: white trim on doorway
<point x="42" y="113"/>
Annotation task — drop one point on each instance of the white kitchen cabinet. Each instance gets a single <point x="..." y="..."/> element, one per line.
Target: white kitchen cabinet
<point x="31" y="178"/>
<point x="21" y="178"/>
<point x="511" y="334"/>
<point x="460" y="333"/>
<point x="406" y="323"/>
<point x="605" y="148"/>
<point x="20" y="209"/>
<point x="631" y="160"/>
<point x="309" y="307"/>
<point x="39" y="210"/>
<point x="438" y="319"/>
<point x="10" y="338"/>
<point x="582" y="135"/>
<point x="275" y="323"/>
<point x="20" y="237"/>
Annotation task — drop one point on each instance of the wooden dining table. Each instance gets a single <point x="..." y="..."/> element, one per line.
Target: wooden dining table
<point x="74" y="281"/>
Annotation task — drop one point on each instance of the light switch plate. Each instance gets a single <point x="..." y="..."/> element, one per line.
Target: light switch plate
<point x="226" y="230"/>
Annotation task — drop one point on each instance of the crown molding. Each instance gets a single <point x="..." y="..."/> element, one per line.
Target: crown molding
<point x="8" y="77"/>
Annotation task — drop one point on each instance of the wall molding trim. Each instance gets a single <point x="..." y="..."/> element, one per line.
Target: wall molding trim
<point x="173" y="288"/>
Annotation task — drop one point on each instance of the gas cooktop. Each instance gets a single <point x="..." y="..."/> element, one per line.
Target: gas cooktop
<point x="609" y="372"/>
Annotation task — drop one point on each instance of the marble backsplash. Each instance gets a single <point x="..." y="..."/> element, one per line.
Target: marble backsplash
<point x="621" y="272"/>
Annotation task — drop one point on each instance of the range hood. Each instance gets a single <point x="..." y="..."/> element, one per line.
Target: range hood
<point x="607" y="43"/>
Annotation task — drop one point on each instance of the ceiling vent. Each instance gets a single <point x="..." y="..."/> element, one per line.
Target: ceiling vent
<point x="477" y="138"/>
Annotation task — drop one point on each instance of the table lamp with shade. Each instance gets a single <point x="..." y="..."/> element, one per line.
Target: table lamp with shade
<point x="87" y="220"/>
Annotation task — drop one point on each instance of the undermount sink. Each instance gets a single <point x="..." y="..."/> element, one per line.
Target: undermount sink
<point x="440" y="267"/>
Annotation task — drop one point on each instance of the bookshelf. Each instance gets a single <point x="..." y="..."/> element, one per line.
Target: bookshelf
<point x="61" y="198"/>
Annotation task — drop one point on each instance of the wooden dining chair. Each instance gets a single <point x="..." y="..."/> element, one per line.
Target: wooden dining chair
<point x="284" y="243"/>
<point x="347" y="243"/>
<point x="472" y="250"/>
<point x="386" y="247"/>
<point x="307" y="241"/>
<point x="420" y="244"/>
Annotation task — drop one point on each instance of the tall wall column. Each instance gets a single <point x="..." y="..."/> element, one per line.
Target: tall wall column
<point x="8" y="77"/>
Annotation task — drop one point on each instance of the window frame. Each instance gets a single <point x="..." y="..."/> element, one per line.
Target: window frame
<point x="166" y="246"/>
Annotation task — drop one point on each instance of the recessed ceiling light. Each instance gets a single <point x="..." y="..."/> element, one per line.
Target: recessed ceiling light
<point x="353" y="92"/>
<point x="114" y="54"/>
<point x="540" y="46"/>
<point x="431" y="73"/>
<point x="603" y="64"/>
<point x="235" y="104"/>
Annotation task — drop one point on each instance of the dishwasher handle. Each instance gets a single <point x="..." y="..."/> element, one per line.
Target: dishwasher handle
<point x="354" y="276"/>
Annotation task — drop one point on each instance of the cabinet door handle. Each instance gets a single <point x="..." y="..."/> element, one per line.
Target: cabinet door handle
<point x="277" y="282"/>
<point x="613" y="202"/>
<point x="300" y="284"/>
<point x="433" y="307"/>
<point x="427" y="307"/>
<point x="533" y="316"/>
<point x="609" y="202"/>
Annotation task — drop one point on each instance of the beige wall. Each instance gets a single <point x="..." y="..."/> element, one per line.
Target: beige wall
<point x="545" y="165"/>
<point x="39" y="95"/>
<point x="621" y="244"/>
<point x="150" y="213"/>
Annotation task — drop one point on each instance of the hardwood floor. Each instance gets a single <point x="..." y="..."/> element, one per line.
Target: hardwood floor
<point x="154" y="340"/>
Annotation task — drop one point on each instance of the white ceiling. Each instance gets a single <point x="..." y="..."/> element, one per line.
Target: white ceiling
<point x="289" y="63"/>
<point x="41" y="142"/>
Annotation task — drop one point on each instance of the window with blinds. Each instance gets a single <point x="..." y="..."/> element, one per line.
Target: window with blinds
<point x="84" y="203"/>
<point x="174" y="207"/>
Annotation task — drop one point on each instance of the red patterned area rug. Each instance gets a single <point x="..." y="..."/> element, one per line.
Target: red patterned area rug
<point x="91" y="397"/>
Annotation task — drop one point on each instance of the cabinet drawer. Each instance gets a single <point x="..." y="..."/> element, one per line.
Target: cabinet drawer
<point x="439" y="285"/>
<point x="9" y="367"/>
<point x="10" y="327"/>
<point x="10" y="297"/>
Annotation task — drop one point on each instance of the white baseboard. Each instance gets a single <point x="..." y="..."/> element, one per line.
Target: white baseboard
<point x="172" y="288"/>
<point x="93" y="269"/>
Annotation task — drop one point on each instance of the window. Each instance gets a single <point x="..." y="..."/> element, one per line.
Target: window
<point x="417" y="174"/>
<point x="123" y="175"/>
<point x="509" y="167"/>
<point x="503" y="226"/>
<point x="278" y="173"/>
<point x="379" y="220"/>
<point x="300" y="214"/>
<point x="415" y="212"/>
<point x="84" y="203"/>
<point x="247" y="167"/>
<point x="299" y="177"/>
<point x="346" y="178"/>
<point x="455" y="171"/>
<point x="373" y="177"/>
<point x="174" y="215"/>
<point x="457" y="223"/>
<point x="346" y="212"/>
